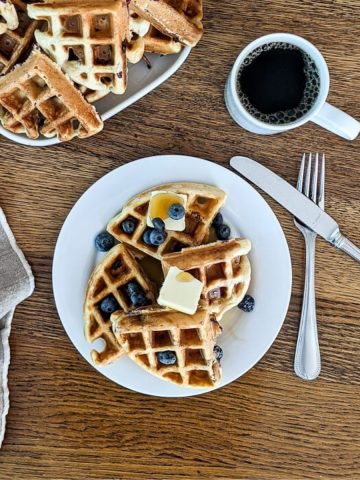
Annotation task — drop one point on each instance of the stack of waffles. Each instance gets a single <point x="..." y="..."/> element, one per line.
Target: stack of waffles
<point x="143" y="333"/>
<point x="79" y="51"/>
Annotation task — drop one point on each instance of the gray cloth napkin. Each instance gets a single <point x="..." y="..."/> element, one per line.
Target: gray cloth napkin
<point x="16" y="284"/>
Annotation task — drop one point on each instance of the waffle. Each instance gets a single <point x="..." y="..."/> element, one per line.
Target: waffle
<point x="135" y="47"/>
<point x="178" y="19"/>
<point x="223" y="267"/>
<point x="37" y="98"/>
<point x="8" y="16"/>
<point x="92" y="96"/>
<point x="109" y="278"/>
<point x="14" y="42"/>
<point x="88" y="40"/>
<point x="192" y="337"/>
<point x="157" y="42"/>
<point x="203" y="203"/>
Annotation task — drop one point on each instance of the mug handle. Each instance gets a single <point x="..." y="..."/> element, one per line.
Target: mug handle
<point x="337" y="122"/>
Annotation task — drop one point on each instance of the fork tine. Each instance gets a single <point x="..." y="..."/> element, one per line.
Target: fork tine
<point x="321" y="196"/>
<point x="301" y="174"/>
<point x="315" y="179"/>
<point x="307" y="178"/>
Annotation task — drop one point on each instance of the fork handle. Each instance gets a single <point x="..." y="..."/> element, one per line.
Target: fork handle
<point x="307" y="363"/>
<point x="344" y="244"/>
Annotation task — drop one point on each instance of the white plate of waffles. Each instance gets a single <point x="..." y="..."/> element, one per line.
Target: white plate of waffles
<point x="126" y="346"/>
<point x="142" y="80"/>
<point x="66" y="67"/>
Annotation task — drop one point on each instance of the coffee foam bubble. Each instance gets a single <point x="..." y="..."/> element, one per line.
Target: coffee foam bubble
<point x="311" y="92"/>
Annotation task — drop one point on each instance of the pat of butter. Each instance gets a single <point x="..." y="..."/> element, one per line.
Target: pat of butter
<point x="180" y="291"/>
<point x="160" y="201"/>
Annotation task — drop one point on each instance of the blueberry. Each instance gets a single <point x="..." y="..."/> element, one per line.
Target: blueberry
<point x="138" y="299"/>
<point x="218" y="353"/>
<point x="223" y="232"/>
<point x="159" y="224"/>
<point x="128" y="225"/>
<point x="146" y="236"/>
<point x="167" y="358"/>
<point x="104" y="242"/>
<point x="247" y="304"/>
<point x="109" y="305"/>
<point x="133" y="287"/>
<point x="157" y="238"/>
<point x="176" y="211"/>
<point x="218" y="220"/>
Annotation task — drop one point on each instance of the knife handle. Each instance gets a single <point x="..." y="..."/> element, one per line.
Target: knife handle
<point x="344" y="244"/>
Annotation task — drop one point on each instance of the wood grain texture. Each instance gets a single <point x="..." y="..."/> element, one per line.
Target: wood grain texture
<point x="67" y="421"/>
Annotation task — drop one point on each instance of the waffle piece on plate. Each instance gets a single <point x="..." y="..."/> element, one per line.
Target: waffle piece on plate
<point x="88" y="39"/>
<point x="157" y="42"/>
<point x="16" y="40"/>
<point x="179" y="19"/>
<point x="135" y="47"/>
<point x="110" y="280"/>
<point x="37" y="98"/>
<point x="203" y="203"/>
<point x="223" y="267"/>
<point x="92" y="96"/>
<point x="189" y="338"/>
<point x="8" y="16"/>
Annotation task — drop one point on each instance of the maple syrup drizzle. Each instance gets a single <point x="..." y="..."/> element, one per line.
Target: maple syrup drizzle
<point x="160" y="204"/>
<point x="184" y="277"/>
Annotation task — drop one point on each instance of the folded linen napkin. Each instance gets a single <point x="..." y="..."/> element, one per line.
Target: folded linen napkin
<point x="16" y="284"/>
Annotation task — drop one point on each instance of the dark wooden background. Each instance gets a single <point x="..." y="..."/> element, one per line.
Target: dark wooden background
<point x="68" y="422"/>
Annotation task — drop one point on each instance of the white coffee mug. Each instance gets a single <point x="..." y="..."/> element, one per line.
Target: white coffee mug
<point x="321" y="113"/>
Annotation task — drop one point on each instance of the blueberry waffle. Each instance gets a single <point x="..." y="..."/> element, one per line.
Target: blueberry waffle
<point x="176" y="347"/>
<point x="178" y="19"/>
<point x="87" y="39"/>
<point x="157" y="42"/>
<point x="223" y="267"/>
<point x="16" y="36"/>
<point x="118" y="283"/>
<point x="203" y="203"/>
<point x="37" y="98"/>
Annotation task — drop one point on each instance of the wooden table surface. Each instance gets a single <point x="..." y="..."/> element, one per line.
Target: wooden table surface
<point x="69" y="422"/>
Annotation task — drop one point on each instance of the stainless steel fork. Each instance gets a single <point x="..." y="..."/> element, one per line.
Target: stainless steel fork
<point x="307" y="363"/>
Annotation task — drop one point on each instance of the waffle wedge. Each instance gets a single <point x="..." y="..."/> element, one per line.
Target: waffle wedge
<point x="88" y="39"/>
<point x="178" y="19"/>
<point x="157" y="42"/>
<point x="223" y="267"/>
<point x="110" y="277"/>
<point x="192" y="337"/>
<point x="203" y="203"/>
<point x="17" y="38"/>
<point x="135" y="46"/>
<point x="37" y="98"/>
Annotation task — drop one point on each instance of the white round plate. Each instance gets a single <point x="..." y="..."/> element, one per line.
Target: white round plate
<point x="247" y="336"/>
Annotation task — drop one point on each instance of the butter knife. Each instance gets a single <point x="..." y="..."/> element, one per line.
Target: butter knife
<point x="296" y="203"/>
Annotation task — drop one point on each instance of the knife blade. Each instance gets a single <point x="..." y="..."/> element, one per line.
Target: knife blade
<point x="295" y="202"/>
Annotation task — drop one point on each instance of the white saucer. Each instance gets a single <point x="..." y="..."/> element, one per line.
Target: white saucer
<point x="247" y="336"/>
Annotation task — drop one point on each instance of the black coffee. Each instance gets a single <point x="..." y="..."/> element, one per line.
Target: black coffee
<point x="278" y="83"/>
